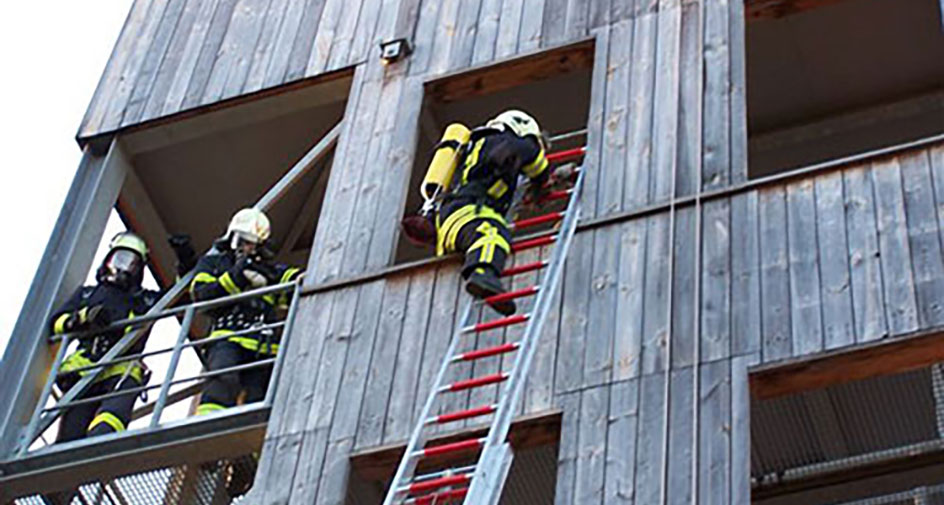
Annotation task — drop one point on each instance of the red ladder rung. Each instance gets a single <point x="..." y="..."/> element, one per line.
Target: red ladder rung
<point x="498" y="323"/>
<point x="428" y="485"/>
<point x="534" y="242"/>
<point x="484" y="353"/>
<point x="485" y="380"/>
<point x="464" y="414"/>
<point x="511" y="295"/>
<point x="566" y="154"/>
<point x="438" y="450"/>
<point x="439" y="498"/>
<point x="527" y="267"/>
<point x="562" y="194"/>
<point x="538" y="220"/>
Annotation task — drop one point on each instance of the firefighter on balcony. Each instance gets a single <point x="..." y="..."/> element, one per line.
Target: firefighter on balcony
<point x="484" y="164"/>
<point x="239" y="262"/>
<point x="117" y="295"/>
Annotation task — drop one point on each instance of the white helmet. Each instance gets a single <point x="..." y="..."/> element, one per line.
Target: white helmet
<point x="519" y="122"/>
<point x="249" y="224"/>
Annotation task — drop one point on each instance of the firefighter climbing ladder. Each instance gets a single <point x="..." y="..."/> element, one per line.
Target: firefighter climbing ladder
<point x="481" y="483"/>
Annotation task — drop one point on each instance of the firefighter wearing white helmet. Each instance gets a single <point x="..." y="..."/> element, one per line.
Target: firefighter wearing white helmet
<point x="471" y="216"/>
<point x="117" y="295"/>
<point x="240" y="262"/>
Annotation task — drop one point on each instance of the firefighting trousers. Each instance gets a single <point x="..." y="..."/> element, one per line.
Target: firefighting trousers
<point x="480" y="233"/>
<point x="222" y="391"/>
<point x="98" y="418"/>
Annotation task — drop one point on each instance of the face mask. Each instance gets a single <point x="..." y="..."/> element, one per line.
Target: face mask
<point x="122" y="267"/>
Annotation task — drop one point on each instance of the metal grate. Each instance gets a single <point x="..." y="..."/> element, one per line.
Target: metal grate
<point x="925" y="495"/>
<point x="215" y="482"/>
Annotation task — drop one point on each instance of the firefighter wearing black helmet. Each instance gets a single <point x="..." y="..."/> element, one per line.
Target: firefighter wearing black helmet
<point x="117" y="295"/>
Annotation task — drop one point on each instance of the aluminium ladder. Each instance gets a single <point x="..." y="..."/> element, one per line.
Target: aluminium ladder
<point x="481" y="482"/>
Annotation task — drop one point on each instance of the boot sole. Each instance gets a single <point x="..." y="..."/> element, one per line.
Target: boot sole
<point x="505" y="308"/>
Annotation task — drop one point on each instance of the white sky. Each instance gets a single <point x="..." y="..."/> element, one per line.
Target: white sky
<point x="53" y="54"/>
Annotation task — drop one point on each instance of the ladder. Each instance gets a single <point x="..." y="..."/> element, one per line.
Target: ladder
<point x="481" y="483"/>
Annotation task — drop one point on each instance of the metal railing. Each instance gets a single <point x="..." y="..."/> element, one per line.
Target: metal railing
<point x="277" y="334"/>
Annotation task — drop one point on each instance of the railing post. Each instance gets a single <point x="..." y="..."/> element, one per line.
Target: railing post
<point x="172" y="366"/>
<point x="283" y="343"/>
<point x="30" y="433"/>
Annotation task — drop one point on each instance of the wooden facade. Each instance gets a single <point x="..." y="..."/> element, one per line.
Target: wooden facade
<point x="682" y="275"/>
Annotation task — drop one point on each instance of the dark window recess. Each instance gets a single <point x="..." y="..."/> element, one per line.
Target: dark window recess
<point x="553" y="86"/>
<point x="841" y="79"/>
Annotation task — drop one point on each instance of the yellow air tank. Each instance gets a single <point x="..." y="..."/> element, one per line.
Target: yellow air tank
<point x="440" y="171"/>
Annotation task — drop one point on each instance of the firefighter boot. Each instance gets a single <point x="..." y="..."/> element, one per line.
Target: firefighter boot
<point x="483" y="283"/>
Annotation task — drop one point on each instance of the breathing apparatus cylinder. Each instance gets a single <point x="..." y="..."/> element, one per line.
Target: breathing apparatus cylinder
<point x="443" y="166"/>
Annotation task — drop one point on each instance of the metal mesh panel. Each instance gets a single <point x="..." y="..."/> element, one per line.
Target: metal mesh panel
<point x="925" y="495"/>
<point x="217" y="482"/>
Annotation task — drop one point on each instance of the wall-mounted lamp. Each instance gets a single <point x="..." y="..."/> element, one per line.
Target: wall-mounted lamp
<point x="395" y="50"/>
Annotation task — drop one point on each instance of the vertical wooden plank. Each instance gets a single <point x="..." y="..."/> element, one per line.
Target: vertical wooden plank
<point x="716" y="171"/>
<point x="324" y="37"/>
<point x="486" y="35"/>
<point x="568" y="448"/>
<point x="738" y="86"/>
<point x="923" y="238"/>
<point x="189" y="56"/>
<point x="599" y="14"/>
<point x="334" y="475"/>
<point x="805" y="308"/>
<point x="574" y="314"/>
<point x="157" y="52"/>
<point x="539" y="391"/>
<point x="332" y="366"/>
<point x="936" y="157"/>
<point x="714" y="440"/>
<point x="655" y="331"/>
<point x="532" y="15"/>
<point x="621" y="443"/>
<point x="716" y="282"/>
<point x="666" y="101"/>
<point x="438" y="335"/>
<point x="683" y="337"/>
<point x="682" y="434"/>
<point x="264" y="52"/>
<point x="692" y="69"/>
<point x="424" y="36"/>
<point x="552" y="26"/>
<point x="627" y="346"/>
<point x="209" y="52"/>
<point x="509" y="25"/>
<point x="306" y="482"/>
<point x="370" y="32"/>
<point x="613" y="144"/>
<point x="593" y="159"/>
<point x="370" y="425"/>
<point x="774" y="275"/>
<point x="740" y="431"/>
<point x="745" y="275"/>
<point x="445" y="36"/>
<point x="868" y="295"/>
<point x="591" y="445"/>
<point x="280" y="50"/>
<point x="650" y="443"/>
<point x="344" y="38"/>
<point x="304" y="40"/>
<point x="577" y="21"/>
<point x="601" y="321"/>
<point x="174" y="57"/>
<point x="403" y="393"/>
<point x="642" y="88"/>
<point x="231" y="67"/>
<point x="466" y="28"/>
<point x="838" y="324"/>
<point x="900" y="304"/>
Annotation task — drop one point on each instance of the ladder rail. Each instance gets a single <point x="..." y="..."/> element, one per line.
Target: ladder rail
<point x="514" y="386"/>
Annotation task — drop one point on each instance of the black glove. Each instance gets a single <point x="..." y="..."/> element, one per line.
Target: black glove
<point x="266" y="269"/>
<point x="186" y="255"/>
<point x="99" y="316"/>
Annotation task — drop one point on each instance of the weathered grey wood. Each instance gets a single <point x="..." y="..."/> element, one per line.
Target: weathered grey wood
<point x="868" y="295"/>
<point x="209" y="49"/>
<point x="900" y="304"/>
<point x="423" y="37"/>
<point x="591" y="445"/>
<point x="683" y="433"/>
<point x="370" y="32"/>
<point x="280" y="477"/>
<point x="466" y="28"/>
<point x="805" y="307"/>
<point x="573" y="323"/>
<point x="627" y="345"/>
<point x="650" y="442"/>
<point x="344" y="38"/>
<point x="333" y="359"/>
<point x="642" y="82"/>
<point x="838" y="324"/>
<point x="529" y="35"/>
<point x="577" y="21"/>
<point x="438" y="335"/>
<point x="738" y="101"/>
<point x="692" y="69"/>
<point x="403" y="391"/>
<point x="280" y="50"/>
<point x="715" y="434"/>
<point x="370" y="424"/>
<point x="740" y="434"/>
<point x="539" y="391"/>
<point x="268" y="43"/>
<point x="655" y="332"/>
<point x="716" y="171"/>
<point x="776" y="340"/>
<point x="445" y="36"/>
<point x="666" y="101"/>
<point x="552" y="26"/>
<point x="194" y="13"/>
<point x="592" y="161"/>
<point x="614" y="132"/>
<point x="745" y="275"/>
<point x="486" y="34"/>
<point x="683" y="334"/>
<point x="334" y="475"/>
<point x="231" y="67"/>
<point x="599" y="14"/>
<point x="716" y="281"/>
<point x="304" y="41"/>
<point x="324" y="37"/>
<point x="509" y="24"/>
<point x="621" y="443"/>
<point x="923" y="237"/>
<point x="601" y="320"/>
<point x="189" y="56"/>
<point x="306" y="482"/>
<point x="568" y="449"/>
<point x="936" y="158"/>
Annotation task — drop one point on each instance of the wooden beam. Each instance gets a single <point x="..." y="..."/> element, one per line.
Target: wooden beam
<point x="772" y="9"/>
<point x="884" y="357"/>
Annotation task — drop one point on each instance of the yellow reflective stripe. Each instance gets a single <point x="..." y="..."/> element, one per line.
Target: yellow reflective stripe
<point x="536" y="167"/>
<point x="489" y="239"/>
<point x="254" y="345"/>
<point x="83" y="314"/>
<point x="289" y="275"/>
<point x="78" y="360"/>
<point x="498" y="189"/>
<point x="108" y="418"/>
<point x="202" y="277"/>
<point x="209" y="408"/>
<point x="227" y="282"/>
<point x="449" y="229"/>
<point x="130" y="316"/>
<point x="60" y="325"/>
<point x="472" y="160"/>
<point x="75" y="360"/>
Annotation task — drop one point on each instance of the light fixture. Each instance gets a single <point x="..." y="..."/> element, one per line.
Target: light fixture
<point x="395" y="50"/>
